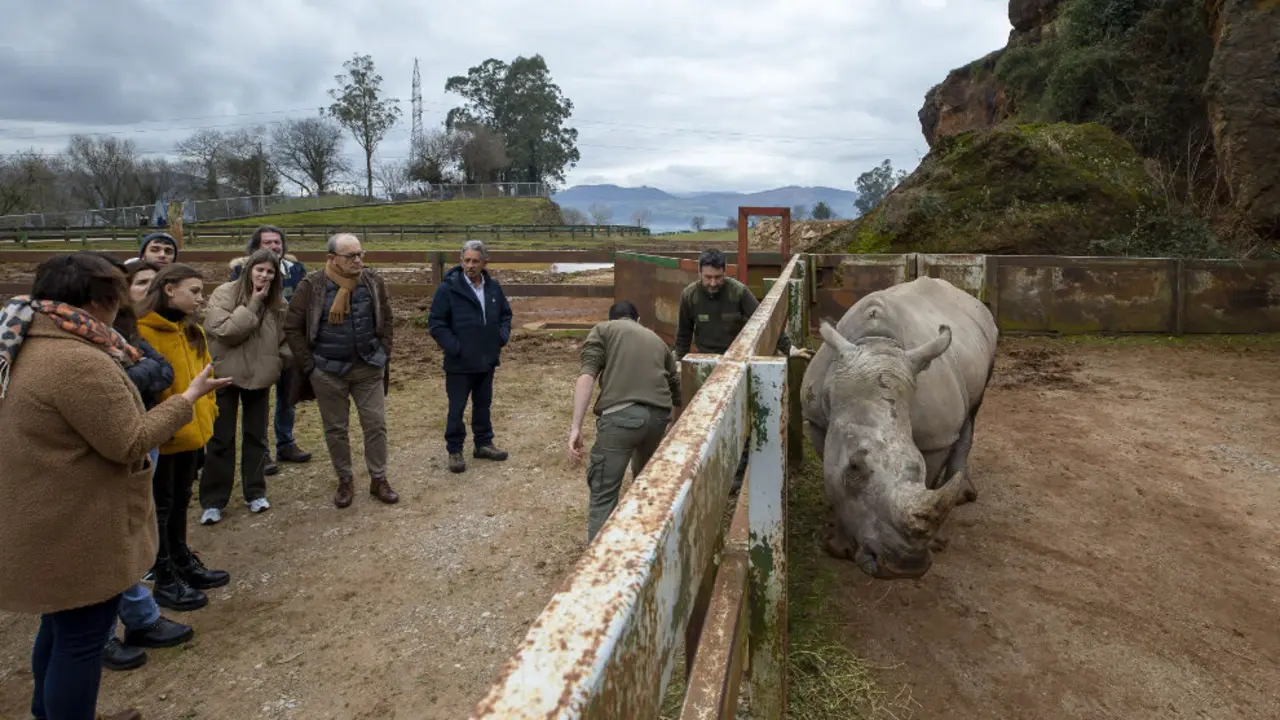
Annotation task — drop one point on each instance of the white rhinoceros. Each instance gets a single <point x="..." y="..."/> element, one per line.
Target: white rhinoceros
<point x="890" y="400"/>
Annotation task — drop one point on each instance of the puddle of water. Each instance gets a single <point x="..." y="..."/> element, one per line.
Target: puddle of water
<point x="579" y="267"/>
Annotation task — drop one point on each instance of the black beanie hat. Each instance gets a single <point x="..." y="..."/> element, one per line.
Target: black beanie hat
<point x="158" y="237"/>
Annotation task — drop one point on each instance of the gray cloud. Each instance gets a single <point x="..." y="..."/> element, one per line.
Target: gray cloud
<point x="721" y="94"/>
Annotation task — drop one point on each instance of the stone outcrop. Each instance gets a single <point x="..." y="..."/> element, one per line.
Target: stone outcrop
<point x="969" y="99"/>
<point x="805" y="234"/>
<point x="1243" y="95"/>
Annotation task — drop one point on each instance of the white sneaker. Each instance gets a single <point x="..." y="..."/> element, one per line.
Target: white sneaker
<point x="211" y="516"/>
<point x="257" y="506"/>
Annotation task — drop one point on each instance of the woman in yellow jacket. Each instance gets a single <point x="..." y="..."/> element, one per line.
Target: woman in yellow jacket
<point x="166" y="320"/>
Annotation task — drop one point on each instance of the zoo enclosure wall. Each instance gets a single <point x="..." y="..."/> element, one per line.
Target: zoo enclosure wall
<point x="1027" y="294"/>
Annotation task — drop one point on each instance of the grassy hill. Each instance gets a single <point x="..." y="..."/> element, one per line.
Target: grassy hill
<point x="487" y="211"/>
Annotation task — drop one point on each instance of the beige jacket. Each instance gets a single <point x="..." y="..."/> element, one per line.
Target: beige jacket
<point x="246" y="341"/>
<point x="78" y="523"/>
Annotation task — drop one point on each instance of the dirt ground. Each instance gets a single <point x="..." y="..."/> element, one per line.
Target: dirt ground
<point x="1121" y="560"/>
<point x="374" y="611"/>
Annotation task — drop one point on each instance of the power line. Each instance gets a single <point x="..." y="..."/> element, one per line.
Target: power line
<point x="571" y="122"/>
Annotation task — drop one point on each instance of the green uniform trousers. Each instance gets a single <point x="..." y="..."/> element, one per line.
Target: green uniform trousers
<point x="629" y="435"/>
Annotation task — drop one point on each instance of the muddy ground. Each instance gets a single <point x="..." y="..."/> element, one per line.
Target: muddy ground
<point x="1120" y="560"/>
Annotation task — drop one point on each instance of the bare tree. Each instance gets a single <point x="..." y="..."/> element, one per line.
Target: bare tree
<point x="573" y="216"/>
<point x="600" y="213"/>
<point x="29" y="183"/>
<point x="483" y="155"/>
<point x="641" y="217"/>
<point x="104" y="171"/>
<point x="157" y="178"/>
<point x="308" y="152"/>
<point x="393" y="176"/>
<point x="357" y="106"/>
<point x="203" y="155"/>
<point x="246" y="164"/>
<point x="799" y="212"/>
<point x="697" y="223"/>
<point x="731" y="222"/>
<point x="437" y="156"/>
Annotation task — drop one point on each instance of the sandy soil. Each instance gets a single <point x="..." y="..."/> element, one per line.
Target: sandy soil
<point x="1120" y="561"/>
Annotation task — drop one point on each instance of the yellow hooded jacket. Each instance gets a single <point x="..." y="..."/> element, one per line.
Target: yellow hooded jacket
<point x="169" y="340"/>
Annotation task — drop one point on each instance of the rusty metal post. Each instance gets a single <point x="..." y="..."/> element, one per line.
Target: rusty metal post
<point x="767" y="546"/>
<point x="175" y="221"/>
<point x="742" y="245"/>
<point x="785" y="241"/>
<point x="694" y="370"/>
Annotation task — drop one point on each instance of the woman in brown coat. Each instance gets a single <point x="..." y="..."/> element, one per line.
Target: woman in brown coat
<point x="244" y="321"/>
<point x="78" y="524"/>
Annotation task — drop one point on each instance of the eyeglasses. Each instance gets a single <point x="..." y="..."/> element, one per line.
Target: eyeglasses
<point x="351" y="256"/>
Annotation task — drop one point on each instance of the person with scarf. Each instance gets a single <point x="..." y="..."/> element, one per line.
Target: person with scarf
<point x="166" y="320"/>
<point x="245" y="325"/>
<point x="339" y="330"/>
<point x="78" y="524"/>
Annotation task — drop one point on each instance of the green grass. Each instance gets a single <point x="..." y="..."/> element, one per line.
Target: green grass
<point x="487" y="211"/>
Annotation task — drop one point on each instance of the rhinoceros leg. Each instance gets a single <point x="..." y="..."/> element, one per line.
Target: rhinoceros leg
<point x="958" y="462"/>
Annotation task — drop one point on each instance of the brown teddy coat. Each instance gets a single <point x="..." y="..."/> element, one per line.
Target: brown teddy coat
<point x="78" y="523"/>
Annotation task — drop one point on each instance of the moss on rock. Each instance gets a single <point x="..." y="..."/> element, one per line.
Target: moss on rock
<point x="1014" y="189"/>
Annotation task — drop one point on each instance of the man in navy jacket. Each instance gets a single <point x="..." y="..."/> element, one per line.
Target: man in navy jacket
<point x="470" y="320"/>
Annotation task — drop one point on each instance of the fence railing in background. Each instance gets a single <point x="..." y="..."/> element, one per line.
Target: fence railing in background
<point x="238" y="234"/>
<point x="230" y="208"/>
<point x="606" y="644"/>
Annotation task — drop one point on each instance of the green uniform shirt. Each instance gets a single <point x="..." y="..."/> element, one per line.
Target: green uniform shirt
<point x="632" y="364"/>
<point x="714" y="322"/>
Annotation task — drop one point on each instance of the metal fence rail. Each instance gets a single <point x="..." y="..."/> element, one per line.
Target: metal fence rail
<point x="606" y="644"/>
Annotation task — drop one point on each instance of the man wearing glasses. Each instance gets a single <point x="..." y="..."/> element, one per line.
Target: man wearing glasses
<point x="339" y="330"/>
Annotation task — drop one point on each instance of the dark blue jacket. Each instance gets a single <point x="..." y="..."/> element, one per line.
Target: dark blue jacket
<point x="471" y="341"/>
<point x="152" y="374"/>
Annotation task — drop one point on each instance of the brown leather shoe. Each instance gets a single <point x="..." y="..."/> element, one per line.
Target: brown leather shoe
<point x="342" y="498"/>
<point x="130" y="714"/>
<point x="381" y="489"/>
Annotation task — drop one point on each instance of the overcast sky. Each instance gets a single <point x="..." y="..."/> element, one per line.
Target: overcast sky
<point x="681" y="95"/>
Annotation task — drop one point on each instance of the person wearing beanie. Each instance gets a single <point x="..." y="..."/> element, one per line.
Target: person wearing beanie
<point x="159" y="248"/>
<point x="291" y="273"/>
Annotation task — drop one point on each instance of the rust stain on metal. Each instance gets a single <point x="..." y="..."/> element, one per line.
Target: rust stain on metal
<point x="596" y="637"/>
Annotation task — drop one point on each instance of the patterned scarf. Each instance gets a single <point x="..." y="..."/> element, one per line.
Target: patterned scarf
<point x="15" y="321"/>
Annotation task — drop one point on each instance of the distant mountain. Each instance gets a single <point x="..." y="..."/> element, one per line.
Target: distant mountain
<point x="673" y="211"/>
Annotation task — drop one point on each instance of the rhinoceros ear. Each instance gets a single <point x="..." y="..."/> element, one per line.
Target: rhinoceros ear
<point x="833" y="338"/>
<point x="920" y="356"/>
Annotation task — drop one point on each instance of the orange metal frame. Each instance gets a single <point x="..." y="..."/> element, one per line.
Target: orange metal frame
<point x="746" y="212"/>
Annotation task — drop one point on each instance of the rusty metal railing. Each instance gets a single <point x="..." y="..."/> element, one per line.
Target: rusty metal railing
<point x="607" y="642"/>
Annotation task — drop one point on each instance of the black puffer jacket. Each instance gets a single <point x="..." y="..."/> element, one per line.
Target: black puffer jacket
<point x="151" y="375"/>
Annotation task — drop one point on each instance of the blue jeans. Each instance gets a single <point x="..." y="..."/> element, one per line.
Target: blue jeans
<point x="66" y="661"/>
<point x="137" y="608"/>
<point x="284" y="412"/>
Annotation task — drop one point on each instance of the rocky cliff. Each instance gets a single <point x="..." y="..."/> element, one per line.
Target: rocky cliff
<point x="1193" y="85"/>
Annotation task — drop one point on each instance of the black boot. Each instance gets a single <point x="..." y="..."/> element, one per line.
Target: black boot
<point x="189" y="568"/>
<point x="118" y="656"/>
<point x="162" y="633"/>
<point x="172" y="592"/>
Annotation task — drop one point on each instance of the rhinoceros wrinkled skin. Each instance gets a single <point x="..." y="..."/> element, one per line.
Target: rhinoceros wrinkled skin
<point x="889" y="401"/>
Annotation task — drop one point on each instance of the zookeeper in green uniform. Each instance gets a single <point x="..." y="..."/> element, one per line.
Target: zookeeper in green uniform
<point x="639" y="386"/>
<point x="713" y="310"/>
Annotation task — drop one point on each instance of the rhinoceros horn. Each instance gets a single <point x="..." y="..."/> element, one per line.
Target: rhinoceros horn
<point x="933" y="505"/>
<point x="833" y="338"/>
<point x="920" y="356"/>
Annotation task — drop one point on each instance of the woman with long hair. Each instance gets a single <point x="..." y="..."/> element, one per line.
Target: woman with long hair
<point x="77" y="525"/>
<point x="144" y="626"/>
<point x="167" y="320"/>
<point x="244" y="321"/>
